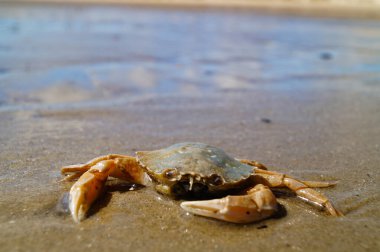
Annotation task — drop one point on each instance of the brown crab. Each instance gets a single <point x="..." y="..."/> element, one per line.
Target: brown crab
<point x="194" y="170"/>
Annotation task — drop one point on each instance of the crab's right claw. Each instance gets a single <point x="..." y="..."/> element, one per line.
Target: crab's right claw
<point x="93" y="176"/>
<point x="258" y="204"/>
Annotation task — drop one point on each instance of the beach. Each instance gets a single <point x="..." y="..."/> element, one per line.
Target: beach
<point x="299" y="93"/>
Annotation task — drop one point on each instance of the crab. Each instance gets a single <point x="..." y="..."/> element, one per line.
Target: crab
<point x="194" y="171"/>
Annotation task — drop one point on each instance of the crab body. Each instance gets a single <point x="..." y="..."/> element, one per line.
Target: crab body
<point x="194" y="170"/>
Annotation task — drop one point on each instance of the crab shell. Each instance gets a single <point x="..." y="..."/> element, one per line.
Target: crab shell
<point x="194" y="170"/>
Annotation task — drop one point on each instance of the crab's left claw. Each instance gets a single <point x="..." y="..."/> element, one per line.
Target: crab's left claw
<point x="258" y="204"/>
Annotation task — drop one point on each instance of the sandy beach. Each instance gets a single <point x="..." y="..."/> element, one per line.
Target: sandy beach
<point x="300" y="94"/>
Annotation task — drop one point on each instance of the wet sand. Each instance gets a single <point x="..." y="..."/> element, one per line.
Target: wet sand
<point x="299" y="94"/>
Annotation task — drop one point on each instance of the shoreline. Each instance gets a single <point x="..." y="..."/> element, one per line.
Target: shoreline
<point x="331" y="9"/>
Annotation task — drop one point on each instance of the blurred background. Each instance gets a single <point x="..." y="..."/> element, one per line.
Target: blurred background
<point x="66" y="53"/>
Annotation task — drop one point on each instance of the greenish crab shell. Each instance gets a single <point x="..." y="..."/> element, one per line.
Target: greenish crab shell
<point x="194" y="170"/>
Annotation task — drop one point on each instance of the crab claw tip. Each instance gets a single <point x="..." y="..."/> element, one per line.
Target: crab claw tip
<point x="218" y="209"/>
<point x="77" y="204"/>
<point x="207" y="208"/>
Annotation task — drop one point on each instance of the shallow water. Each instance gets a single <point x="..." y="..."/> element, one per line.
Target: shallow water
<point x="299" y="94"/>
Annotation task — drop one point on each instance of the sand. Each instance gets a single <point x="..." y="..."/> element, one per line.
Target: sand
<point x="300" y="94"/>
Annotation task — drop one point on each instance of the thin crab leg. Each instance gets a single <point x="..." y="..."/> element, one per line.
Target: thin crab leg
<point x="319" y="184"/>
<point x="74" y="171"/>
<point x="258" y="204"/>
<point x="301" y="188"/>
<point x="91" y="183"/>
<point x="253" y="163"/>
<point x="314" y="184"/>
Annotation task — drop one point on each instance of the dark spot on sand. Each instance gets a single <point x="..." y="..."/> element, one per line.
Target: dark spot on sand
<point x="262" y="226"/>
<point x="326" y="56"/>
<point x="266" y="120"/>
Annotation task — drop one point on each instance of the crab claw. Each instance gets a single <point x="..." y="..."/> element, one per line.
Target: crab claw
<point x="258" y="204"/>
<point x="87" y="189"/>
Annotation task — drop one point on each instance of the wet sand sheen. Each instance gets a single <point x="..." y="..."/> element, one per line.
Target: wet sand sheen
<point x="80" y="82"/>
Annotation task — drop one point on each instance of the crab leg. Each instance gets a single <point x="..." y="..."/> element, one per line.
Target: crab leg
<point x="308" y="183"/>
<point x="258" y="204"/>
<point x="91" y="183"/>
<point x="253" y="163"/>
<point x="301" y="188"/>
<point x="78" y="169"/>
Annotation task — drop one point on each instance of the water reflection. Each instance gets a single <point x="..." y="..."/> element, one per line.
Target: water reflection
<point x="66" y="55"/>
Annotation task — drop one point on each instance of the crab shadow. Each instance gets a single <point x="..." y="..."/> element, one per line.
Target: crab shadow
<point x="281" y="212"/>
<point x="123" y="187"/>
<point x="112" y="186"/>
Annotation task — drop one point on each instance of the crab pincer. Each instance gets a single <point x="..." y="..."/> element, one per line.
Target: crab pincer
<point x="259" y="203"/>
<point x="92" y="178"/>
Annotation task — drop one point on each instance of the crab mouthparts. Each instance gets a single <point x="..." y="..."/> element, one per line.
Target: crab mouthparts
<point x="189" y="188"/>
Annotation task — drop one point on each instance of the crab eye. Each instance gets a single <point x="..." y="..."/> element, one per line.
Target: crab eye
<point x="170" y="173"/>
<point x="215" y="180"/>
